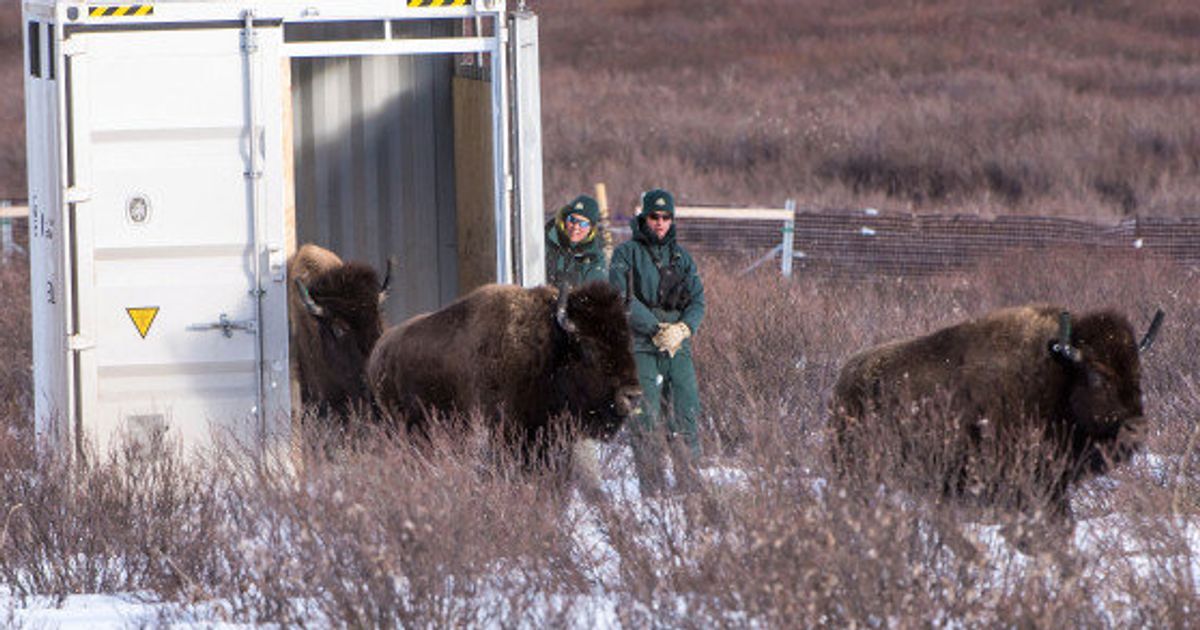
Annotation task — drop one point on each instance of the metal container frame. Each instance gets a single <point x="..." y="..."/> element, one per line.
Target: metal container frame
<point x="57" y="31"/>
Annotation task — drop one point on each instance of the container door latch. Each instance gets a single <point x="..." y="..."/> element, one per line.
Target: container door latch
<point x="227" y="326"/>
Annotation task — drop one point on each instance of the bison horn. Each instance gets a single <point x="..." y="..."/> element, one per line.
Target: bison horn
<point x="1062" y="346"/>
<point x="1152" y="332"/>
<point x="316" y="310"/>
<point x="387" y="279"/>
<point x="560" y="311"/>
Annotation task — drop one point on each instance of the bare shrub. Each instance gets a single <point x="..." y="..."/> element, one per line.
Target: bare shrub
<point x="362" y="528"/>
<point x="16" y="378"/>
<point x="135" y="519"/>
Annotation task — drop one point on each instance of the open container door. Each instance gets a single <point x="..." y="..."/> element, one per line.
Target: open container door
<point x="528" y="213"/>
<point x="53" y="400"/>
<point x="401" y="144"/>
<point x="178" y="270"/>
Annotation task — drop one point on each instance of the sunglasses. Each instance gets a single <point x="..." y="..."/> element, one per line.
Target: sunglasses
<point x="658" y="216"/>
<point x="583" y="223"/>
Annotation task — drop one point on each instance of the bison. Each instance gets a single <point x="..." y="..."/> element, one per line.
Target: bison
<point x="1016" y="385"/>
<point x="334" y="320"/>
<point x="523" y="358"/>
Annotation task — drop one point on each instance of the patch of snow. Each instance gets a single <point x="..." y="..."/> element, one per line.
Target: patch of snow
<point x="102" y="611"/>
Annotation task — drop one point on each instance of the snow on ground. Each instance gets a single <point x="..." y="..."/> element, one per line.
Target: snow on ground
<point x="105" y="611"/>
<point x="78" y="611"/>
<point x="1096" y="537"/>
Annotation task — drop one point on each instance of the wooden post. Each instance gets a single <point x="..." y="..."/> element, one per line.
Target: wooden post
<point x="789" y="239"/>
<point x="605" y="219"/>
<point x="475" y="216"/>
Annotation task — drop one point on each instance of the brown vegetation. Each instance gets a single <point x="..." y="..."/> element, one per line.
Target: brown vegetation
<point x="12" y="104"/>
<point x="1053" y="107"/>
<point x="16" y="374"/>
<point x="1039" y="106"/>
<point x="451" y="535"/>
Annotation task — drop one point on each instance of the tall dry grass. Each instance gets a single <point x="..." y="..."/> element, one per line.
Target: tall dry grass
<point x="12" y="103"/>
<point x="1057" y="107"/>
<point x="1035" y="106"/>
<point x="384" y="533"/>
<point x="16" y="370"/>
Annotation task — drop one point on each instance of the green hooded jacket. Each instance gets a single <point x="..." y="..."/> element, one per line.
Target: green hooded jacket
<point x="645" y="314"/>
<point x="574" y="265"/>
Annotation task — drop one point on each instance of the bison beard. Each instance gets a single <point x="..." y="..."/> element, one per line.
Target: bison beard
<point x="518" y="357"/>
<point x="987" y="408"/>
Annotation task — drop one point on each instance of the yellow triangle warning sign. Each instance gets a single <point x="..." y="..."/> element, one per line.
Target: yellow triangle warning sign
<point x="142" y="317"/>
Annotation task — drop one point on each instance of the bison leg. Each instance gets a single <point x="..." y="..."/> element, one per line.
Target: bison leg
<point x="586" y="469"/>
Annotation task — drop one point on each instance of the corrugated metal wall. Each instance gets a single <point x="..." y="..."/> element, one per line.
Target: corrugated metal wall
<point x="374" y="164"/>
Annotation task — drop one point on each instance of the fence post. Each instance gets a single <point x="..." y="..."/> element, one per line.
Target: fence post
<point x="6" y="235"/>
<point x="789" y="239"/>
<point x="605" y="219"/>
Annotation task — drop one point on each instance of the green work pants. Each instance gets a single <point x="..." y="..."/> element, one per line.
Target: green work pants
<point x="666" y="382"/>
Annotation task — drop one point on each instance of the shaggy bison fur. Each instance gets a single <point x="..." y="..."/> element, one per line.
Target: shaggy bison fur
<point x="334" y="320"/>
<point x="996" y="402"/>
<point x="524" y="359"/>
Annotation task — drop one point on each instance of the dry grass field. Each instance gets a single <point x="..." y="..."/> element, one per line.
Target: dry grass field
<point x="1056" y="107"/>
<point x="12" y="104"/>
<point x="1082" y="108"/>
<point x="382" y="534"/>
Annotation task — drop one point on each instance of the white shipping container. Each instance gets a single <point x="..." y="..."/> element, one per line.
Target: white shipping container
<point x="178" y="151"/>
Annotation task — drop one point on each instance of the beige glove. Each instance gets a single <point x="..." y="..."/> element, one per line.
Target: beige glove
<point x="670" y="337"/>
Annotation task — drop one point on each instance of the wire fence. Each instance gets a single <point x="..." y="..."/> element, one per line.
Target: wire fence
<point x="869" y="243"/>
<point x="14" y="231"/>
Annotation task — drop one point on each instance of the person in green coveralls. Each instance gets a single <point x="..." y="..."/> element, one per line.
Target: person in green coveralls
<point x="573" y="252"/>
<point x="573" y="257"/>
<point x="666" y="309"/>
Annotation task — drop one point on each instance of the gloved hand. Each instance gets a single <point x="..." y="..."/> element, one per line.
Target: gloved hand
<point x="670" y="337"/>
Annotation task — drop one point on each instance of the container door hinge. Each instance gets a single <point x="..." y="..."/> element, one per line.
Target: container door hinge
<point x="74" y="46"/>
<point x="76" y="194"/>
<point x="277" y="263"/>
<point x="249" y="35"/>
<point x="77" y="343"/>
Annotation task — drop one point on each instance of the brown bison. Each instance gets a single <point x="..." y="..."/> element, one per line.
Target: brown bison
<point x="334" y="320"/>
<point x="1016" y="385"/>
<point x="521" y="357"/>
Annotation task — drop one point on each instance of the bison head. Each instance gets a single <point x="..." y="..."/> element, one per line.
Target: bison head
<point x="596" y="375"/>
<point x="345" y="304"/>
<point x="1104" y="391"/>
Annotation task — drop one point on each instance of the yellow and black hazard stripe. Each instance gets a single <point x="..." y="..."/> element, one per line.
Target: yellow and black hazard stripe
<point x="121" y="10"/>
<point x="438" y="3"/>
